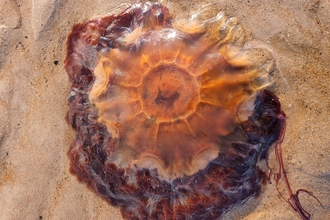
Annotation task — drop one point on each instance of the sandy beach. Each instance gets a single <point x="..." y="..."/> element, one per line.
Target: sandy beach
<point x="35" y="181"/>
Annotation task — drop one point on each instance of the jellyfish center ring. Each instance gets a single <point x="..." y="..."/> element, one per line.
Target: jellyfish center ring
<point x="168" y="92"/>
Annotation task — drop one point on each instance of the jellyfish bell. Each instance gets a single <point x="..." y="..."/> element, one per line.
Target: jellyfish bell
<point x="171" y="119"/>
<point x="172" y="99"/>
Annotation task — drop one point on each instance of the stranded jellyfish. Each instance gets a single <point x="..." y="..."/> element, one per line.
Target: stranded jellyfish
<point x="172" y="115"/>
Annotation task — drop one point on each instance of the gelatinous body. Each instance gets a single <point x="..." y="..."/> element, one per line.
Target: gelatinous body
<point x="171" y="115"/>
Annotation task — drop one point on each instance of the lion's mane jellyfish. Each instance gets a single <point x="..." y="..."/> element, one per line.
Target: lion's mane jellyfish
<point x="171" y="115"/>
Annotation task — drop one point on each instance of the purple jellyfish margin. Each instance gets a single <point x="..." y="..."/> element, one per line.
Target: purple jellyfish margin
<point x="226" y="182"/>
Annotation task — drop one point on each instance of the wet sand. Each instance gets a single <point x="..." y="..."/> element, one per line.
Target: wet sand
<point x="35" y="182"/>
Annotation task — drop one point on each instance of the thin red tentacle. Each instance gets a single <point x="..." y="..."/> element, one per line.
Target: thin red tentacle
<point x="293" y="200"/>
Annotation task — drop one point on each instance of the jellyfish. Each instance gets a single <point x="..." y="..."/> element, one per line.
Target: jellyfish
<point x="172" y="115"/>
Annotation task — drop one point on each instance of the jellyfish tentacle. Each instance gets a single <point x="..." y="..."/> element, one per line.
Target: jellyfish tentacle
<point x="293" y="200"/>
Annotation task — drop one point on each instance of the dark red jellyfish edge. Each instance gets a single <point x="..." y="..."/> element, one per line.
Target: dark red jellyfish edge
<point x="227" y="182"/>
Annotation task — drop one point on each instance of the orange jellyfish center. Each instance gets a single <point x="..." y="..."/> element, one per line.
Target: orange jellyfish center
<point x="168" y="92"/>
<point x="167" y="102"/>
